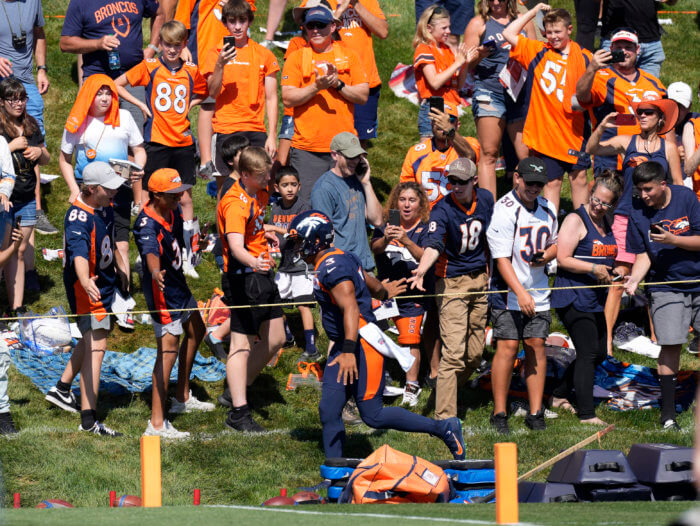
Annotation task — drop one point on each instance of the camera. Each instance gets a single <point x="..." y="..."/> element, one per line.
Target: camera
<point x="617" y="55"/>
<point x="19" y="41"/>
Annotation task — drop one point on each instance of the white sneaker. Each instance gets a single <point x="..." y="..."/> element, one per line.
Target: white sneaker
<point x="189" y="270"/>
<point x="192" y="404"/>
<point x="167" y="431"/>
<point x="410" y="395"/>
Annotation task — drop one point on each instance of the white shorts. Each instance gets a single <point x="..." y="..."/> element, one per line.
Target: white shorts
<point x="295" y="286"/>
<point x="175" y="327"/>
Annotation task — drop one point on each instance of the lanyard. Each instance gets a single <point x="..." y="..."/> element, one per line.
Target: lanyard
<point x="19" y="14"/>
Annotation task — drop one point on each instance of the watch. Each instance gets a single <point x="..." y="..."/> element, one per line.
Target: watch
<point x="42" y="67"/>
<point x="340" y="85"/>
<point x="451" y="134"/>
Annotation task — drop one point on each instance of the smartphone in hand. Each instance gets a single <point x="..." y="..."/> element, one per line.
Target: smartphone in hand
<point x="230" y="41"/>
<point x="657" y="228"/>
<point x="537" y="257"/>
<point x="437" y="103"/>
<point x="394" y="217"/>
<point x="618" y="55"/>
<point x="361" y="168"/>
<point x="625" y="119"/>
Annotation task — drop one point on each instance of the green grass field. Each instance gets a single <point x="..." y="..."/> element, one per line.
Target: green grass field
<point x="50" y="459"/>
<point x="627" y="513"/>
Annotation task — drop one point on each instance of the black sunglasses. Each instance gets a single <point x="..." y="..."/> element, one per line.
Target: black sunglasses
<point x="538" y="184"/>
<point x="646" y="111"/>
<point x="454" y="181"/>
<point x="316" y="25"/>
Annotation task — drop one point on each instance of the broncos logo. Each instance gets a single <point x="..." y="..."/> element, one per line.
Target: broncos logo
<point x="636" y="161"/>
<point x="118" y="23"/>
<point x="676" y="226"/>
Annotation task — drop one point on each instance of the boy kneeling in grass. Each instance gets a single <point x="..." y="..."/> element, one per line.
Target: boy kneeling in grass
<point x="159" y="235"/>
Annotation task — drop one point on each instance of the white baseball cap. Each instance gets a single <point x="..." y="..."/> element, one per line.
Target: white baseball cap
<point x="681" y="93"/>
<point x="101" y="173"/>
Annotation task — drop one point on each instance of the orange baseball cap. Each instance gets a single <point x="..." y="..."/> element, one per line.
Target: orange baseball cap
<point x="451" y="111"/>
<point x="167" y="181"/>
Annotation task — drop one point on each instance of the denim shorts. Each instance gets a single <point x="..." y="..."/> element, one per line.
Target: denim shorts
<point x="425" y="127"/>
<point x="489" y="103"/>
<point x="286" y="128"/>
<point x="26" y="211"/>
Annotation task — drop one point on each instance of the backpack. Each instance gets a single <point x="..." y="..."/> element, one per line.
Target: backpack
<point x="393" y="477"/>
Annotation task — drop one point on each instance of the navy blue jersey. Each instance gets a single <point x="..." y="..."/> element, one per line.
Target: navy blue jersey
<point x="668" y="263"/>
<point x="459" y="234"/>
<point x="88" y="233"/>
<point x="396" y="262"/>
<point x="593" y="248"/>
<point x="164" y="239"/>
<point x="282" y="216"/>
<point x="635" y="156"/>
<point x="335" y="267"/>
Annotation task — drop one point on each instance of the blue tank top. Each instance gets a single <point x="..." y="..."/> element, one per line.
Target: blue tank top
<point x="633" y="158"/>
<point x="593" y="248"/>
<point x="487" y="70"/>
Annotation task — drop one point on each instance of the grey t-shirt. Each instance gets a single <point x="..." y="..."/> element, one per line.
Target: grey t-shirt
<point x="17" y="17"/>
<point x="343" y="200"/>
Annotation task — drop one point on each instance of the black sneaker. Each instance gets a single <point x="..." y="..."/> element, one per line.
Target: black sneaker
<point x="536" y="421"/>
<point x="65" y="401"/>
<point x="7" y="426"/>
<point x="453" y="438"/>
<point x="217" y="349"/>
<point x="500" y="422"/>
<point x="98" y="428"/>
<point x="43" y="225"/>
<point x="430" y="382"/>
<point x="243" y="421"/>
<point x="670" y="425"/>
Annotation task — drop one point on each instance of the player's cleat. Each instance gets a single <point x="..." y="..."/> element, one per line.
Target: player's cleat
<point x="500" y="423"/>
<point x="98" y="428"/>
<point x="189" y="270"/>
<point x="411" y="392"/>
<point x="167" y="431"/>
<point x="309" y="357"/>
<point x="453" y="438"/>
<point x="65" y="401"/>
<point x="191" y="404"/>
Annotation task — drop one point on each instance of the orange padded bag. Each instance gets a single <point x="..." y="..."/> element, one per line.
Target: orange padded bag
<point x="393" y="477"/>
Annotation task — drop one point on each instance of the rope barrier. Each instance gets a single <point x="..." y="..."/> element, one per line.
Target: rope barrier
<point x="295" y="303"/>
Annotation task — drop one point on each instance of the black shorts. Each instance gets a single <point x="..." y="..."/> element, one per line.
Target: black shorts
<point x="253" y="288"/>
<point x="180" y="158"/>
<point x="122" y="213"/>
<point x="255" y="138"/>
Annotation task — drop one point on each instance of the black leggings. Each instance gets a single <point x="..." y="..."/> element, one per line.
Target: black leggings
<point x="588" y="332"/>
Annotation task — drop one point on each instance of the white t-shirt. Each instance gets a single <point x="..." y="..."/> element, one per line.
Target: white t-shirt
<point x="108" y="142"/>
<point x="7" y="177"/>
<point x="518" y="233"/>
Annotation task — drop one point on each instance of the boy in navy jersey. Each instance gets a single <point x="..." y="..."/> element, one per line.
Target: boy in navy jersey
<point x="355" y="368"/>
<point x="90" y="278"/>
<point x="664" y="232"/>
<point x="457" y="242"/>
<point x="293" y="278"/>
<point x="159" y="237"/>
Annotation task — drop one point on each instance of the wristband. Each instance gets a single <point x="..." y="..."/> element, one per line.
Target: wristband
<point x="593" y="268"/>
<point x="349" y="347"/>
<point x="451" y="134"/>
<point x="42" y="67"/>
<point x="153" y="47"/>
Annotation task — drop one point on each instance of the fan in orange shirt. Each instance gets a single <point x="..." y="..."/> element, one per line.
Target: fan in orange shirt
<point x="242" y="77"/>
<point x="553" y="130"/>
<point x="322" y="82"/>
<point x="439" y="72"/>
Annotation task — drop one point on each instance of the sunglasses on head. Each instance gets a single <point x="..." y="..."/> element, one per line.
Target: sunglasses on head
<point x="454" y="181"/>
<point x="316" y="25"/>
<point x="645" y="111"/>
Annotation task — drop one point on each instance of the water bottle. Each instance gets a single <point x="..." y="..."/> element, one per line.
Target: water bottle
<point x="113" y="58"/>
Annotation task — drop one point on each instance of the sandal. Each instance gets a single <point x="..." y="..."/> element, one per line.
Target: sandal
<point x="562" y="403"/>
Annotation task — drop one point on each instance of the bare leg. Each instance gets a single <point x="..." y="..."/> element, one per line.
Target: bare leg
<point x="283" y="151"/>
<point x="123" y="248"/>
<point x="14" y="271"/>
<point x="489" y="131"/>
<point x="579" y="188"/>
<point x="194" y="333"/>
<point x="237" y="368"/>
<point x="501" y="372"/>
<point x="274" y="17"/>
<point x="205" y="132"/>
<point x="165" y="360"/>
<point x="94" y="352"/>
<point x="535" y="372"/>
<point x="412" y="373"/>
<point x="223" y="330"/>
<point x="272" y="339"/>
<point x="187" y="206"/>
<point x="552" y="191"/>
<point x="515" y="131"/>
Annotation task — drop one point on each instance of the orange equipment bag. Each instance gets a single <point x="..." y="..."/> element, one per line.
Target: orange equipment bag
<point x="393" y="477"/>
<point x="215" y="311"/>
